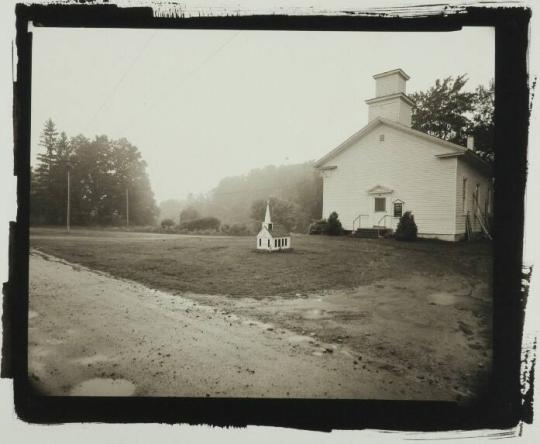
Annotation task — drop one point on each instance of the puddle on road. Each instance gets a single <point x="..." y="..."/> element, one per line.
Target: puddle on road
<point x="313" y="314"/>
<point x="442" y="298"/>
<point x="299" y="338"/>
<point x="91" y="359"/>
<point x="253" y="323"/>
<point x="103" y="387"/>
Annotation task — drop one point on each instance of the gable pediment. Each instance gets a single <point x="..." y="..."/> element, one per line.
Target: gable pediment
<point x="405" y="130"/>
<point x="379" y="189"/>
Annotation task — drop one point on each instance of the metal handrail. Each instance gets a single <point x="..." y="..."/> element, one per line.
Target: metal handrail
<point x="384" y="218"/>
<point x="359" y="219"/>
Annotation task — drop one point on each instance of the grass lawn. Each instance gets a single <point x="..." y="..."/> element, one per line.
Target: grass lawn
<point x="232" y="266"/>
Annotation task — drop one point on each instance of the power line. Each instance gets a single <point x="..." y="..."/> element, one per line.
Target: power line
<point x="190" y="74"/>
<point x="124" y="75"/>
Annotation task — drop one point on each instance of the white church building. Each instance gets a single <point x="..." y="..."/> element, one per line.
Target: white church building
<point x="272" y="237"/>
<point x="388" y="168"/>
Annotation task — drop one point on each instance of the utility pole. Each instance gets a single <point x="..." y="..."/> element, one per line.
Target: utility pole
<point x="68" y="197"/>
<point x="127" y="207"/>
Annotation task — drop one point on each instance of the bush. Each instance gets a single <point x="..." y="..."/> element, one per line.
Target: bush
<point x="167" y="224"/>
<point x="333" y="226"/>
<point x="406" y="230"/>
<point x="318" y="227"/>
<point x="203" y="223"/>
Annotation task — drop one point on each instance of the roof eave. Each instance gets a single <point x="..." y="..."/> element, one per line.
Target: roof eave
<point x="399" y="95"/>
<point x="392" y="71"/>
<point x="472" y="158"/>
<point x="343" y="145"/>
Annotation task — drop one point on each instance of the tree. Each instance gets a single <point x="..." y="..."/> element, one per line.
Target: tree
<point x="482" y="126"/>
<point x="167" y="224"/>
<point x="282" y="212"/>
<point x="188" y="214"/>
<point x="103" y="173"/>
<point x="42" y="181"/>
<point x="442" y="110"/>
<point x="448" y="112"/>
<point x="203" y="223"/>
<point x="231" y="199"/>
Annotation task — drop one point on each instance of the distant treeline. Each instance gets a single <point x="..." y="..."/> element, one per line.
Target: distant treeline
<point x="239" y="202"/>
<point x="108" y="181"/>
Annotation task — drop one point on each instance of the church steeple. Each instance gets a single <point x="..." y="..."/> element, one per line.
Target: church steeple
<point x="391" y="100"/>
<point x="267" y="220"/>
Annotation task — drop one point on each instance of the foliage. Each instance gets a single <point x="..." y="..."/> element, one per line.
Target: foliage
<point x="282" y="212"/>
<point x="448" y="112"/>
<point x="333" y="226"/>
<point x="406" y="229"/>
<point x="107" y="177"/>
<point x="48" y="178"/>
<point x="482" y="125"/>
<point x="300" y="186"/>
<point x="203" y="223"/>
<point x="189" y="214"/>
<point x="318" y="227"/>
<point x="167" y="223"/>
<point x="236" y="229"/>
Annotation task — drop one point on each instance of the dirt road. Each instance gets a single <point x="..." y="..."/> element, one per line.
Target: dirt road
<point x="91" y="334"/>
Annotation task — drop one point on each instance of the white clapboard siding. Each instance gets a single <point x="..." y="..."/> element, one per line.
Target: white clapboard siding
<point x="402" y="162"/>
<point x="473" y="177"/>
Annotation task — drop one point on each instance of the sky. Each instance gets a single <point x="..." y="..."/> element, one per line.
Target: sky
<point x="203" y="105"/>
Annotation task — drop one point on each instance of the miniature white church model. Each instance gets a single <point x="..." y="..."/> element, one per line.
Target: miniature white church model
<point x="272" y="237"/>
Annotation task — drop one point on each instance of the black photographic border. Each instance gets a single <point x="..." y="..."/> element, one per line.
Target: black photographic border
<point x="501" y="406"/>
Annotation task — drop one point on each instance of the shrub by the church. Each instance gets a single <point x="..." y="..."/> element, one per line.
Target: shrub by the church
<point x="333" y="225"/>
<point x="406" y="230"/>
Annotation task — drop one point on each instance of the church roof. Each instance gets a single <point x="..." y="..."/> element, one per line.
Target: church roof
<point x="279" y="231"/>
<point x="455" y="150"/>
<point x="393" y="71"/>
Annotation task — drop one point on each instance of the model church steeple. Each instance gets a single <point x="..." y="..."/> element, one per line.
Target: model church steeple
<point x="267" y="220"/>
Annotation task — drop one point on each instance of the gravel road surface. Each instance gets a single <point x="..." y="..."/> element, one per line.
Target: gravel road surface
<point x="91" y="334"/>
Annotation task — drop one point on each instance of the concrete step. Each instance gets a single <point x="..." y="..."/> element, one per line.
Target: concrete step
<point x="371" y="233"/>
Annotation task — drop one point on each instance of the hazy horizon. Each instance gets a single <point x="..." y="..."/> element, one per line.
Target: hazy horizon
<point x="204" y="105"/>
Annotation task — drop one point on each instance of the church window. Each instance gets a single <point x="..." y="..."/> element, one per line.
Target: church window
<point x="380" y="204"/>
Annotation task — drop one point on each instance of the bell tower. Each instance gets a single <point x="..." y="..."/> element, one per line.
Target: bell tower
<point x="391" y="101"/>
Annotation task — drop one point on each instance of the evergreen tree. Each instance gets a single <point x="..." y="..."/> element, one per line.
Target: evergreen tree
<point x="406" y="229"/>
<point x="333" y="226"/>
<point x="42" y="181"/>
